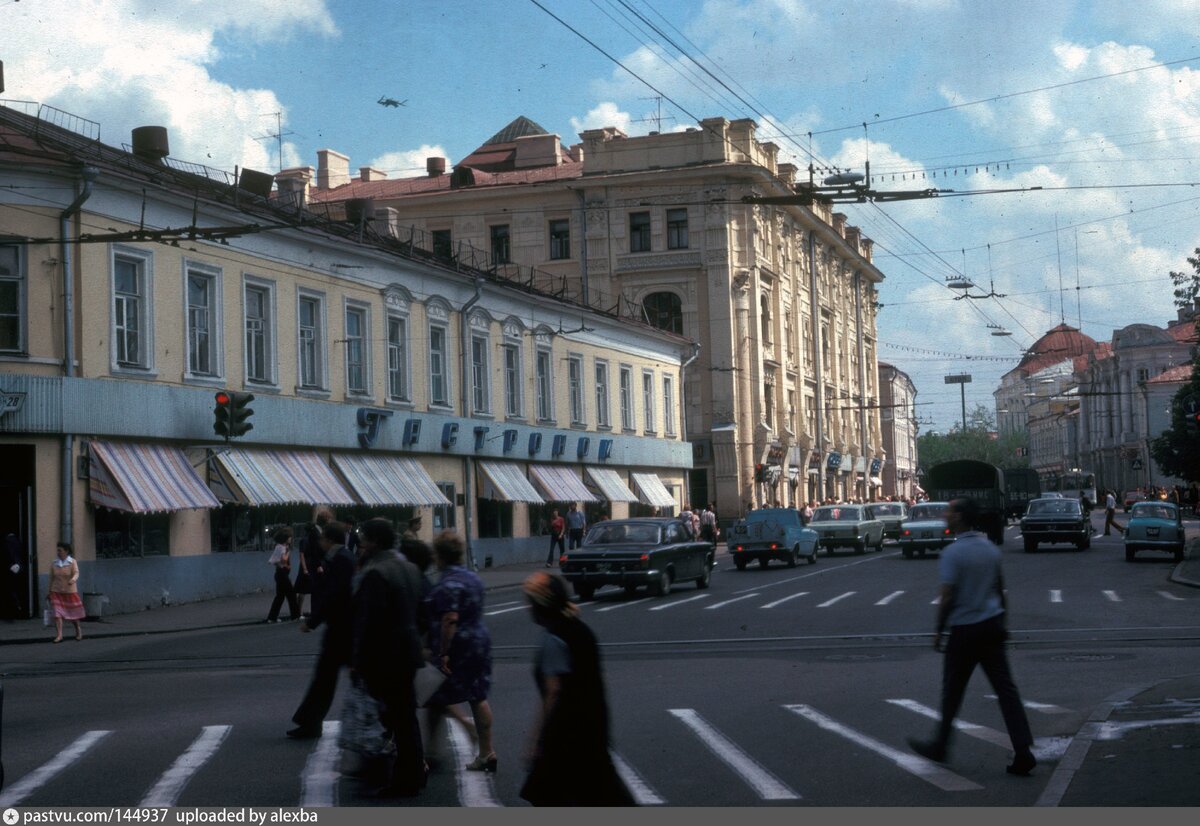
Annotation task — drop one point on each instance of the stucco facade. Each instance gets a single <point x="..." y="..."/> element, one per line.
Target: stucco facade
<point x="898" y="418"/>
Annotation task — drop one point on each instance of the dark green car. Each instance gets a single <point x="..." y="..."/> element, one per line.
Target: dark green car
<point x="633" y="552"/>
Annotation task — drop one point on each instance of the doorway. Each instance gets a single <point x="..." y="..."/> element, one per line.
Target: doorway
<point x="16" y="517"/>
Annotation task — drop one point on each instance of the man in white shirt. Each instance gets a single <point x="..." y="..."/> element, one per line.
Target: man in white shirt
<point x="1110" y="512"/>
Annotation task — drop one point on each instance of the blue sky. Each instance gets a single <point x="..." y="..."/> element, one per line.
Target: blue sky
<point x="215" y="72"/>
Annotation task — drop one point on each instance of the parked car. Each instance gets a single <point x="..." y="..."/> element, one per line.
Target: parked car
<point x="891" y="514"/>
<point x="1155" y="526"/>
<point x="771" y="533"/>
<point x="925" y="529"/>
<point x="1051" y="520"/>
<point x="847" y="526"/>
<point x="633" y="552"/>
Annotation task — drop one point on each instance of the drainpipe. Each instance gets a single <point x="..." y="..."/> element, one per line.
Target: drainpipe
<point x="66" y="499"/>
<point x="819" y="396"/>
<point x="468" y="461"/>
<point x="683" y="388"/>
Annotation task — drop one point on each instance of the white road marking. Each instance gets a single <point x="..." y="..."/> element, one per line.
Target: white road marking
<point x="726" y="602"/>
<point x="1043" y="748"/>
<point x="319" y="782"/>
<point x="168" y="788"/>
<point x="781" y="601"/>
<point x="1044" y="708"/>
<point x="936" y="601"/>
<point x="927" y="770"/>
<point x="511" y="602"/>
<point x="829" y="602"/>
<point x="825" y="569"/>
<point x="37" y="778"/>
<point x="505" y="610"/>
<point x="680" y="602"/>
<point x="474" y="788"/>
<point x="1055" y="595"/>
<point x="615" y="606"/>
<point x="889" y="597"/>
<point x="637" y="785"/>
<point x="1169" y="595"/>
<point x="1115" y="731"/>
<point x="767" y="785"/>
<point x="1111" y="596"/>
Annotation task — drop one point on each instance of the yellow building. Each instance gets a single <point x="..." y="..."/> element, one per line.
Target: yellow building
<point x="658" y="224"/>
<point x="386" y="382"/>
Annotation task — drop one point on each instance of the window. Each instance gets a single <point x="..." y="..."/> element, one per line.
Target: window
<point x="769" y="401"/>
<point x="131" y="311"/>
<point x="203" y="329"/>
<point x="788" y="344"/>
<point x="669" y="405"/>
<point x="512" y="380"/>
<point x="627" y="398"/>
<point x="444" y="516"/>
<point x="639" y="232"/>
<point x="398" y="358"/>
<point x="357" y="377"/>
<point x="260" y="333"/>
<point x="764" y="303"/>
<point x="664" y="311"/>
<point x="480" y="390"/>
<point x="677" y="229"/>
<point x="120" y="534"/>
<point x="648" y="400"/>
<point x="602" y="395"/>
<point x="1143" y="374"/>
<point x="12" y="299"/>
<point x="545" y="397"/>
<point x="560" y="239"/>
<point x="439" y="384"/>
<point x="311" y="342"/>
<point x="500" y="247"/>
<point x="443" y="246"/>
<point x="791" y="411"/>
<point x="575" y="387"/>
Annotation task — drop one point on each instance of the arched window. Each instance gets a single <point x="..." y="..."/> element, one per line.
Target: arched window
<point x="765" y="304"/>
<point x="664" y="311"/>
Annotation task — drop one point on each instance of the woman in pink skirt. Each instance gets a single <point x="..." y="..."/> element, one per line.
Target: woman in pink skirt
<point x="64" y="595"/>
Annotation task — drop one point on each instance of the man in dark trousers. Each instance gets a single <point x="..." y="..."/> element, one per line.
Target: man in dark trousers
<point x="576" y="524"/>
<point x="332" y="611"/>
<point x="387" y="648"/>
<point x="973" y="605"/>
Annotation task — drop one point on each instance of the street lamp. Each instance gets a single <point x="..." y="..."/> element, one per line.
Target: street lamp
<point x="961" y="379"/>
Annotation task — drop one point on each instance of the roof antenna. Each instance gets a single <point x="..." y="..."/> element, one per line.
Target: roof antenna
<point x="1062" y="312"/>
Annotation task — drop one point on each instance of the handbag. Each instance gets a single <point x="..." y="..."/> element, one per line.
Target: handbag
<point x="426" y="683"/>
<point x="47" y="617"/>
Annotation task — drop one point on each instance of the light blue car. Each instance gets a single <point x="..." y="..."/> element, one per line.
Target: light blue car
<point x="1155" y="526"/>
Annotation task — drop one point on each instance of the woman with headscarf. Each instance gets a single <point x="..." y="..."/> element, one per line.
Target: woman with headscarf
<point x="64" y="594"/>
<point x="569" y="763"/>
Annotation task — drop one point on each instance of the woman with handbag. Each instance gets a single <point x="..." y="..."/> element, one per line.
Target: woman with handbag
<point x="63" y="598"/>
<point x="281" y="558"/>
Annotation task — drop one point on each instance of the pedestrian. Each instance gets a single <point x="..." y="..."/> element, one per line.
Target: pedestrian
<point x="310" y="579"/>
<point x="568" y="753"/>
<point x="462" y="648"/>
<point x="351" y="534"/>
<point x="281" y="559"/>
<point x="1085" y="505"/>
<point x="414" y="528"/>
<point x="10" y="578"/>
<point x="693" y="517"/>
<point x="576" y="522"/>
<point x="708" y="524"/>
<point x="386" y="649"/>
<point x="558" y="528"/>
<point x="63" y="597"/>
<point x="973" y="604"/>
<point x="1110" y="512"/>
<point x="331" y="608"/>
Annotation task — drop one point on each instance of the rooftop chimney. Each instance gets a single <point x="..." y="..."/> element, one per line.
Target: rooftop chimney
<point x="370" y="173"/>
<point x="150" y="143"/>
<point x="435" y="166"/>
<point x="333" y="169"/>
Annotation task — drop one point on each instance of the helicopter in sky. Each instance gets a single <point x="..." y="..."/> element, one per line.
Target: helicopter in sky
<point x="392" y="102"/>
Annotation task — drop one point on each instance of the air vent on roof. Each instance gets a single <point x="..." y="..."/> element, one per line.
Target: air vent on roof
<point x="150" y="143"/>
<point x="435" y="166"/>
<point x="256" y="183"/>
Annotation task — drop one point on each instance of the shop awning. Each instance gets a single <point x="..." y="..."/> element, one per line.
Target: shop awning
<point x="277" y="477"/>
<point x="141" y="478"/>
<point x="654" y="492"/>
<point x="388" y="480"/>
<point x="875" y="480"/>
<point x="508" y="483"/>
<point x="611" y="485"/>
<point x="561" y="484"/>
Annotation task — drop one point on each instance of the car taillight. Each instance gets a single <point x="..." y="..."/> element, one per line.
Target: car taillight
<point x="946" y="532"/>
<point x="774" y="546"/>
<point x="562" y="559"/>
<point x="907" y="532"/>
<point x="738" y="548"/>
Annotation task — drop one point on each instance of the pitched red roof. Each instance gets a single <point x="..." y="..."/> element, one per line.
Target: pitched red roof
<point x="392" y="188"/>
<point x="1173" y="375"/>
<point x="1183" y="332"/>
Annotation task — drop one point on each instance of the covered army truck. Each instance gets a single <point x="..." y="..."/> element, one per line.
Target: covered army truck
<point x="967" y="478"/>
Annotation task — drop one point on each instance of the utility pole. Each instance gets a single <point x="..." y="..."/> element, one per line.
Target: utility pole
<point x="962" y="380"/>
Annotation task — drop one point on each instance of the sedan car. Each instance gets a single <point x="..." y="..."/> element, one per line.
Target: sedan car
<point x="1155" y="526"/>
<point x="925" y="529"/>
<point x="891" y="514"/>
<point x="1048" y="521"/>
<point x="847" y="526"/>
<point x="1133" y="497"/>
<point x="633" y="552"/>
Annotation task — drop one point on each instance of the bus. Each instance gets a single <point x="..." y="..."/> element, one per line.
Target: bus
<point x="1072" y="484"/>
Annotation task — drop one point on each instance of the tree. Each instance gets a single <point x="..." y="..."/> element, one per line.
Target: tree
<point x="1177" y="449"/>
<point x="979" y="441"/>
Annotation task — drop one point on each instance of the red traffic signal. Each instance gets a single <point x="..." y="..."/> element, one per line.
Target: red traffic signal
<point x="230" y="416"/>
<point x="760" y="473"/>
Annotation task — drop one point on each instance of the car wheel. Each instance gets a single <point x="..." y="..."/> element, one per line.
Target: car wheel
<point x="763" y="562"/>
<point x="705" y="576"/>
<point x="879" y="545"/>
<point x="1030" y="546"/>
<point x="1086" y="543"/>
<point x="663" y="586"/>
<point x="908" y="553"/>
<point x="791" y="560"/>
<point x="1179" y="554"/>
<point x="812" y="557"/>
<point x="585" y="592"/>
<point x="741" y="562"/>
<point x="1130" y="553"/>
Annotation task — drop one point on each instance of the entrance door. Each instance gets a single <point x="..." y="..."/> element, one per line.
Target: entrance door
<point x="16" y="517"/>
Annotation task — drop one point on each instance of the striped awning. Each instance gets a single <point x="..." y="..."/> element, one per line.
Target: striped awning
<point x="561" y="484"/>
<point x="507" y="482"/>
<point x="611" y="486"/>
<point x="277" y="477"/>
<point x="388" y="480"/>
<point x="654" y="492"/>
<point x="140" y="478"/>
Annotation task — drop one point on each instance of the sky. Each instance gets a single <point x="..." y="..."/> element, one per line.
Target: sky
<point x="1097" y="103"/>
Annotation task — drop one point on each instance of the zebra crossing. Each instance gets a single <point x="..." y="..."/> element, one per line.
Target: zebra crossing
<point x="724" y="754"/>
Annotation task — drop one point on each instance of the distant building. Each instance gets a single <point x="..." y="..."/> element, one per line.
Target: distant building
<point x="898" y="420"/>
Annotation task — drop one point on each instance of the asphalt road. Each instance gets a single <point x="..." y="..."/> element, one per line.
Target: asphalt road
<point x="773" y="687"/>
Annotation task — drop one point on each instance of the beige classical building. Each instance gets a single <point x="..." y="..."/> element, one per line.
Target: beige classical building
<point x="898" y="418"/>
<point x="781" y="299"/>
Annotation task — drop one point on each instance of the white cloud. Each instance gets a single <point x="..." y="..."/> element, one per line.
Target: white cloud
<point x="605" y="114"/>
<point x="407" y="163"/>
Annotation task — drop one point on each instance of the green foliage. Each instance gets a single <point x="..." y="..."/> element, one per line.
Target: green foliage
<point x="1177" y="450"/>
<point x="978" y="441"/>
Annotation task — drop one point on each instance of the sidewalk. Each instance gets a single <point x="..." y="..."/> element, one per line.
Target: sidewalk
<point x="246" y="609"/>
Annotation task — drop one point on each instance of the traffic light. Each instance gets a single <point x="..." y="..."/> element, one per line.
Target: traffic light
<point x="760" y="473"/>
<point x="231" y="415"/>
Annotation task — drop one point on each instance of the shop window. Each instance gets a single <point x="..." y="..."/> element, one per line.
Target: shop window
<point x="120" y="534"/>
<point x="495" y="519"/>
<point x="540" y="515"/>
<point x="445" y="516"/>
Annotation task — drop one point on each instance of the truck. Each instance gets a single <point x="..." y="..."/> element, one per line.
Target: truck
<point x="971" y="479"/>
<point x="771" y="533"/>
<point x="1021" y="485"/>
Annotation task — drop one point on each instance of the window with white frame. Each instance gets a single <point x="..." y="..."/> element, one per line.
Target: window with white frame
<point x="575" y="388"/>
<point x="439" y="379"/>
<point x="626" y="397"/>
<point x="601" y="381"/>
<point x="480" y="386"/>
<point x="513" y="403"/>
<point x="397" y="344"/>
<point x="258" y="312"/>
<point x="545" y="391"/>
<point x="203" y="321"/>
<point x="310" y="341"/>
<point x="648" y="401"/>
<point x="12" y="299"/>
<point x="131" y="310"/>
<point x="357" y="369"/>
<point x="669" y="405"/>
